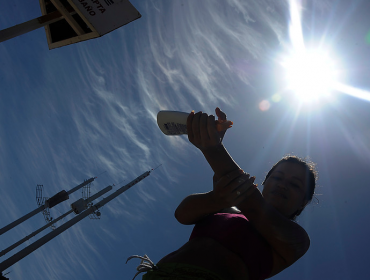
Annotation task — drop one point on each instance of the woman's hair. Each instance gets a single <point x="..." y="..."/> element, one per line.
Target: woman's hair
<point x="311" y="172"/>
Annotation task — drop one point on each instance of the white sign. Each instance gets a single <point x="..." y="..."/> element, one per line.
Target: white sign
<point x="106" y="15"/>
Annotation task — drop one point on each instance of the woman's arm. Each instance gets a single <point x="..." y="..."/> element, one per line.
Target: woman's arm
<point x="220" y="161"/>
<point x="288" y="240"/>
<point x="229" y="191"/>
<point x="195" y="207"/>
<point x="202" y="133"/>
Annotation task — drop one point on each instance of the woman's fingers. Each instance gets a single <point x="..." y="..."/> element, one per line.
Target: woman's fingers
<point x="233" y="188"/>
<point x="204" y="131"/>
<point x="203" y="128"/>
<point x="220" y="114"/>
<point x="189" y="127"/>
<point x="222" y="126"/>
<point x="195" y="126"/>
<point x="241" y="184"/>
<point x="244" y="189"/>
<point x="228" y="178"/>
<point x="222" y="123"/>
<point x="212" y="130"/>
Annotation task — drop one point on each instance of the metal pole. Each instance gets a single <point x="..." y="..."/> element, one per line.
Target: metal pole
<point x="95" y="196"/>
<point x="22" y="219"/>
<point x="31" y="25"/>
<point x="121" y="190"/>
<point x="29" y="249"/>
<point x="3" y="252"/>
<point x="81" y="185"/>
<point x="40" y="209"/>
<point x="28" y="26"/>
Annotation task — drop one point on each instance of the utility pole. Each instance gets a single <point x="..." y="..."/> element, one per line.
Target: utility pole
<point x="51" y="202"/>
<point x="79" y="207"/>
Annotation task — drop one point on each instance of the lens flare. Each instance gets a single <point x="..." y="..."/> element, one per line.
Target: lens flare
<point x="276" y="98"/>
<point x="264" y="105"/>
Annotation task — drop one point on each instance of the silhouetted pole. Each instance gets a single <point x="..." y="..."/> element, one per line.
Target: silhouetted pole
<point x="88" y="200"/>
<point x="51" y="202"/>
<point x="29" y="249"/>
<point x="3" y="252"/>
<point x="30" y="25"/>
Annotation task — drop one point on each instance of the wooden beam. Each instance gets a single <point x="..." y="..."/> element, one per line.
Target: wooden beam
<point x="28" y="26"/>
<point x="76" y="27"/>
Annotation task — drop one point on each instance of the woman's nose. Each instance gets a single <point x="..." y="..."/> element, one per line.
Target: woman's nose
<point x="283" y="185"/>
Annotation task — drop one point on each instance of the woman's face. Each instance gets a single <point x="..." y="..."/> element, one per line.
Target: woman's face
<point x="286" y="187"/>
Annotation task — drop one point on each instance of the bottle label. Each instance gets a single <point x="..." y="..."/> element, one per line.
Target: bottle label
<point x="175" y="128"/>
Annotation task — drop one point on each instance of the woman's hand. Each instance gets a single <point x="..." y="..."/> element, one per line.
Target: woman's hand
<point x="229" y="191"/>
<point x="232" y="189"/>
<point x="221" y="121"/>
<point x="204" y="131"/>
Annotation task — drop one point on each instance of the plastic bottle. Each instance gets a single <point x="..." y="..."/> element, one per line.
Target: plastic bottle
<point x="172" y="122"/>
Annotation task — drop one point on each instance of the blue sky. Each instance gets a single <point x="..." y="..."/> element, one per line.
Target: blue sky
<point x="72" y="113"/>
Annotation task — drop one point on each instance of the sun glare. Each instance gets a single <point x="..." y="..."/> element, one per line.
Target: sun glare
<point x="310" y="72"/>
<point x="310" y="75"/>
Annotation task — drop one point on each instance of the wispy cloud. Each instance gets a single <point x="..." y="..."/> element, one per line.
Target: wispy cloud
<point x="91" y="107"/>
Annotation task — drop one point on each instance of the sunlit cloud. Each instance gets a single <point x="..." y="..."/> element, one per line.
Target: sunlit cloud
<point x="96" y="110"/>
<point x="205" y="62"/>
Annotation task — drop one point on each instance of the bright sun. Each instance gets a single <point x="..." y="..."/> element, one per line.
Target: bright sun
<point x="310" y="75"/>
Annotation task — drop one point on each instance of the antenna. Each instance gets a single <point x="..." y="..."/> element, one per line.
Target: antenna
<point x="48" y="203"/>
<point x="158" y="166"/>
<point x="40" y="200"/>
<point x="86" y="192"/>
<point x="80" y="207"/>
<point x="85" y="203"/>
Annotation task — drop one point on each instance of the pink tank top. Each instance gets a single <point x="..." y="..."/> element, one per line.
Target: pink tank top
<point x="236" y="233"/>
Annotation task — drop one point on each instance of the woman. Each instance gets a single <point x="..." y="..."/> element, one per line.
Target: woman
<point x="239" y="233"/>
